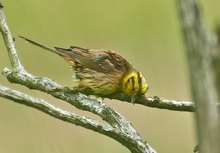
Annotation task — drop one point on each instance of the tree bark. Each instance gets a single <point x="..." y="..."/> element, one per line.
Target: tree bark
<point x="200" y="45"/>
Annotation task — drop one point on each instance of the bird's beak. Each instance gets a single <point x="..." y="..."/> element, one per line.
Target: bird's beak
<point x="133" y="98"/>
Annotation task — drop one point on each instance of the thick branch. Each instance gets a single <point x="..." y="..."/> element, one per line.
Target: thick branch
<point x="199" y="49"/>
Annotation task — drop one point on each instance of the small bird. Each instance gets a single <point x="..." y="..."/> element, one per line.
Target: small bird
<point x="101" y="72"/>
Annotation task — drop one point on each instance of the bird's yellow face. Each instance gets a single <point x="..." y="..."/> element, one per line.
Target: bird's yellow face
<point x="134" y="84"/>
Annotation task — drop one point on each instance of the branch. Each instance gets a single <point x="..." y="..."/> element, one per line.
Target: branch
<point x="199" y="43"/>
<point x="58" y="113"/>
<point x="49" y="109"/>
<point x="49" y="86"/>
<point x="9" y="43"/>
<point x="125" y="133"/>
<point x="158" y="102"/>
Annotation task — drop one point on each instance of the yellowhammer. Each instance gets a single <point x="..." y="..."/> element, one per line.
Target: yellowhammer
<point x="101" y="72"/>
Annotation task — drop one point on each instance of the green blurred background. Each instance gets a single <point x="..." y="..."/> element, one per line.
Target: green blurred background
<point x="146" y="32"/>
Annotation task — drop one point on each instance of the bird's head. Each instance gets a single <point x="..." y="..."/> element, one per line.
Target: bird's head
<point x="134" y="84"/>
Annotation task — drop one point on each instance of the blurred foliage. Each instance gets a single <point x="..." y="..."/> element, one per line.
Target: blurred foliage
<point x="146" y="33"/>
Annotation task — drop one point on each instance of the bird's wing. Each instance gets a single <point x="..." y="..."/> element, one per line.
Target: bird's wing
<point x="105" y="61"/>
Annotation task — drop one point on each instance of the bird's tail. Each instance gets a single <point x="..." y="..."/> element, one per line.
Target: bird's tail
<point x="43" y="46"/>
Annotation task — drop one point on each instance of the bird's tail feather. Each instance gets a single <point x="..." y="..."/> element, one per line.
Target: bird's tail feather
<point x="42" y="46"/>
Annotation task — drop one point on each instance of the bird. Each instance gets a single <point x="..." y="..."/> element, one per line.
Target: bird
<point x="100" y="72"/>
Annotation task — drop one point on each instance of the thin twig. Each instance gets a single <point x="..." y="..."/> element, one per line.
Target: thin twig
<point x="49" y="109"/>
<point x="158" y="102"/>
<point x="9" y="43"/>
